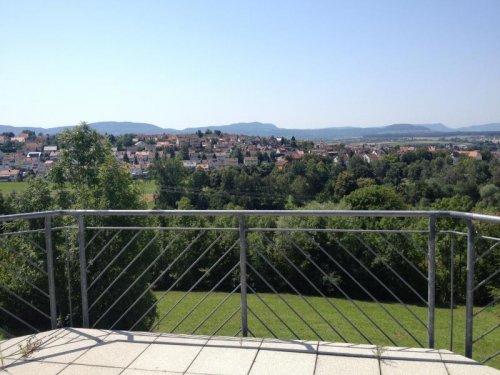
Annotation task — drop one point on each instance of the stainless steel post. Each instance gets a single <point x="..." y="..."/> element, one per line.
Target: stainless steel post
<point x="431" y="285"/>
<point x="243" y="275"/>
<point x="83" y="271"/>
<point x="469" y="307"/>
<point x="50" y="271"/>
<point x="452" y="287"/>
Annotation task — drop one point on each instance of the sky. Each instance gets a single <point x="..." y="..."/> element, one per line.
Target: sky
<point x="296" y="64"/>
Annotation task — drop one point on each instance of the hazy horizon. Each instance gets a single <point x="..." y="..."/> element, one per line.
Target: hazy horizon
<point x="295" y="64"/>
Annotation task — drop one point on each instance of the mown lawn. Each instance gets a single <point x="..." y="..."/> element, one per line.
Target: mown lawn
<point x="146" y="187"/>
<point x="178" y="320"/>
<point x="8" y="187"/>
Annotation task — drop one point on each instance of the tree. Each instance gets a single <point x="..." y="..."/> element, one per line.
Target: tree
<point x="169" y="174"/>
<point x="88" y="177"/>
<point x="375" y="198"/>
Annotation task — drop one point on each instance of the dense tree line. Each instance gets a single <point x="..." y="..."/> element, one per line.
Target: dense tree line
<point x="420" y="178"/>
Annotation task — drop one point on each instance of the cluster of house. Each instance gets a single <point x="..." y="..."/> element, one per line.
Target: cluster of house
<point x="200" y="151"/>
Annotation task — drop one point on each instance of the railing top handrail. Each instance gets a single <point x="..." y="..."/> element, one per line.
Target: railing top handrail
<point x="353" y="213"/>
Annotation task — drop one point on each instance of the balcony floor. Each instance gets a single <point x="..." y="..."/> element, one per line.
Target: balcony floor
<point x="91" y="351"/>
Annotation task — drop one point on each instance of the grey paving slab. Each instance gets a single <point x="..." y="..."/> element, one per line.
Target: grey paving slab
<point x="223" y="361"/>
<point x="291" y="345"/>
<point x="287" y="363"/>
<point x="114" y="354"/>
<point x="331" y="364"/>
<point x="142" y="372"/>
<point x="393" y="353"/>
<point x="470" y="369"/>
<point x="23" y="367"/>
<point x="412" y="366"/>
<point x="181" y="339"/>
<point x="357" y="350"/>
<point x="63" y="351"/>
<point x="167" y="356"/>
<point x="234" y="342"/>
<point x="88" y="351"/>
<point x="90" y="370"/>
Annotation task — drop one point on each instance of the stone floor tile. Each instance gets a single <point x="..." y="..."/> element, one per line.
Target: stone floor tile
<point x="341" y="348"/>
<point x="167" y="357"/>
<point x="114" y="354"/>
<point x="412" y="366"/>
<point x="291" y="345"/>
<point x="222" y="361"/>
<point x="90" y="370"/>
<point x="472" y="368"/>
<point x="413" y="353"/>
<point x="182" y="339"/>
<point x="61" y="351"/>
<point x="331" y="364"/>
<point x="234" y="342"/>
<point x="130" y="371"/>
<point x="33" y="367"/>
<point x="287" y="363"/>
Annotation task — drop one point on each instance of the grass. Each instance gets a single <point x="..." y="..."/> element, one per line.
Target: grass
<point x="147" y="188"/>
<point x="297" y="328"/>
<point x="9" y="187"/>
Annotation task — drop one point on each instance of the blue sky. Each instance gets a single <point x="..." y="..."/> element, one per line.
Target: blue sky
<point x="296" y="64"/>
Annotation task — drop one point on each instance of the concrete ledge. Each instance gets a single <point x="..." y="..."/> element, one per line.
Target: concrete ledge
<point x="92" y="351"/>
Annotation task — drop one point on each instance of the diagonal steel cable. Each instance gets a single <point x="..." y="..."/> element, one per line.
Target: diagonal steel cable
<point x="284" y="301"/>
<point x="491" y="330"/>
<point x="487" y="252"/>
<point x="176" y="281"/>
<point x="22" y="278"/>
<point x="18" y="318"/>
<point x="494" y="355"/>
<point x="207" y="272"/>
<point x="416" y="245"/>
<point x="164" y="294"/>
<point x="226" y="321"/>
<point x="216" y="308"/>
<point x="36" y="245"/>
<point x="135" y="282"/>
<point x="261" y="322"/>
<point x="480" y="284"/>
<point x="371" y="296"/>
<point x="308" y="257"/>
<point x="377" y="254"/>
<point x="96" y="279"/>
<point x="98" y="232"/>
<point x="410" y="263"/>
<point x="92" y="261"/>
<point x="8" y="290"/>
<point x="21" y="255"/>
<point x="123" y="271"/>
<point x="205" y="296"/>
<point x="310" y="283"/>
<point x="276" y="315"/>
<point x="347" y="296"/>
<point x="493" y="302"/>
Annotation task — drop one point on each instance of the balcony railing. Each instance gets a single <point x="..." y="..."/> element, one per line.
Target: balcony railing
<point x="382" y="277"/>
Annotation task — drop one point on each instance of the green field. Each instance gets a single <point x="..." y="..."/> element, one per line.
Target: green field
<point x="147" y="188"/>
<point x="170" y="323"/>
<point x="9" y="187"/>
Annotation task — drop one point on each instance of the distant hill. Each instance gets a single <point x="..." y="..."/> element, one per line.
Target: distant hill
<point x="267" y="130"/>
<point x="493" y="127"/>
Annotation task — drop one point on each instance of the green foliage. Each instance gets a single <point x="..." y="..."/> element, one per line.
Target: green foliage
<point x="375" y="198"/>
<point x="87" y="176"/>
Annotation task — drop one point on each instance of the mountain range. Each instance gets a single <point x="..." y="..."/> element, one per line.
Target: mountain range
<point x="266" y="130"/>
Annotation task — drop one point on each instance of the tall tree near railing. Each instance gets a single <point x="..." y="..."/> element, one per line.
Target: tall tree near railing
<point x="88" y="177"/>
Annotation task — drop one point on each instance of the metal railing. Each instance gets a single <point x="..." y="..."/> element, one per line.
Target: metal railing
<point x="378" y="277"/>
